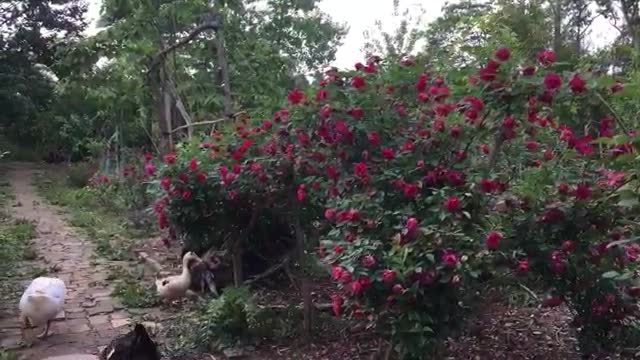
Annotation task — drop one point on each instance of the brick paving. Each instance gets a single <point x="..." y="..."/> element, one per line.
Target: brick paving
<point x="91" y="318"/>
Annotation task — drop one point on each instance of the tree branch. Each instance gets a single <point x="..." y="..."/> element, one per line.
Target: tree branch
<point x="213" y="24"/>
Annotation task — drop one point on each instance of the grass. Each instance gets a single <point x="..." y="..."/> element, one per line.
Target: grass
<point x="15" y="247"/>
<point x="133" y="291"/>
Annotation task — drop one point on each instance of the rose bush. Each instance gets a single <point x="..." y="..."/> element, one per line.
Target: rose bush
<point x="421" y="185"/>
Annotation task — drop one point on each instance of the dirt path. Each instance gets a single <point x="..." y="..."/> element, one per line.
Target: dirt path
<point x="92" y="318"/>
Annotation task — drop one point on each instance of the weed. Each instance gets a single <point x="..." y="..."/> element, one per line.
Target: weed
<point x="231" y="320"/>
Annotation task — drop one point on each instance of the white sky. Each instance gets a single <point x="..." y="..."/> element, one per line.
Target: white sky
<point x="352" y="12"/>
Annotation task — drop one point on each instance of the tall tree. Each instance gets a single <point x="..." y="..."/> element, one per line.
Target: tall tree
<point x="628" y="13"/>
<point x="30" y="33"/>
<point x="402" y="41"/>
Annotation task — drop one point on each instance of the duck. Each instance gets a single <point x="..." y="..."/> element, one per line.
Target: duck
<point x="135" y="345"/>
<point x="175" y="287"/>
<point x="41" y="302"/>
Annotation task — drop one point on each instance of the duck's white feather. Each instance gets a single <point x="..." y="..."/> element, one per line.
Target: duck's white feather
<point x="43" y="299"/>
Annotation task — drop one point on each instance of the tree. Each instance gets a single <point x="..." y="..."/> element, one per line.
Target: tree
<point x="398" y="44"/>
<point x="629" y="12"/>
<point x="30" y="32"/>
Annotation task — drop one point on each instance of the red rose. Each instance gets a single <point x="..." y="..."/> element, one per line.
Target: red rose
<point x="503" y="54"/>
<point x="266" y="124"/>
<point x="186" y="194"/>
<point x="546" y="57"/>
<point x="523" y="266"/>
<point x="487" y="74"/>
<point x="558" y="262"/>
<point x="325" y="111"/>
<point x="337" y="249"/>
<point x="493" y="240"/>
<point x="149" y="169"/>
<point x="170" y="158"/>
<point x="370" y="68"/>
<point x="193" y="164"/>
<point x="421" y="84"/>
<point x="165" y="183"/>
<point x="360" y="169"/>
<point x="397" y="289"/>
<point x="388" y="277"/>
<point x="336" y="272"/>
<point x="552" y="81"/>
<point x="349" y="236"/>
<point x="321" y="94"/>
<point x="605" y="127"/>
<point x="368" y="261"/>
<point x="356" y="288"/>
<point x="359" y="66"/>
<point x="532" y="145"/>
<point x="582" y="192"/>
<point x="358" y="82"/>
<point x="295" y="96"/>
<point x="412" y="224"/>
<point x="568" y="245"/>
<point x="488" y="185"/>
<point x="548" y="155"/>
<point x="300" y="194"/>
<point x="332" y="172"/>
<point x="452" y="204"/>
<point x="388" y="153"/>
<point x="563" y="189"/>
<point x="577" y="84"/>
<point x="423" y="97"/>
<point x="528" y="70"/>
<point x="484" y="148"/>
<point x="356" y="112"/>
<point x="201" y="177"/>
<point x="374" y="138"/>
<point x="438" y="125"/>
<point x="455" y="131"/>
<point x="450" y="258"/>
<point x="329" y="214"/>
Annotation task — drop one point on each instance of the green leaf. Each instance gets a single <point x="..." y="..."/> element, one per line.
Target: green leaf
<point x="610" y="274"/>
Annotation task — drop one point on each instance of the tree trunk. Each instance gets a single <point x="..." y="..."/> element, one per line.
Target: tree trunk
<point x="631" y="12"/>
<point x="557" y="25"/>
<point x="223" y="66"/>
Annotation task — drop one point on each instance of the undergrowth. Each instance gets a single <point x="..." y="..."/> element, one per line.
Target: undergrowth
<point x="238" y="320"/>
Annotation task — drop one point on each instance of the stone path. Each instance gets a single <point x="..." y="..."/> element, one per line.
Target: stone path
<point x="92" y="318"/>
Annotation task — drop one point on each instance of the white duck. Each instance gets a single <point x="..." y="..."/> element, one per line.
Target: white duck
<point x="175" y="287"/>
<point x="41" y="302"/>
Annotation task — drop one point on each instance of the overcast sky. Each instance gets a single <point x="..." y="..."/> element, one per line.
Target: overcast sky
<point x="352" y="12"/>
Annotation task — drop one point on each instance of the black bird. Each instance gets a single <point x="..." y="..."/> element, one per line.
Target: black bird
<point x="135" y="345"/>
